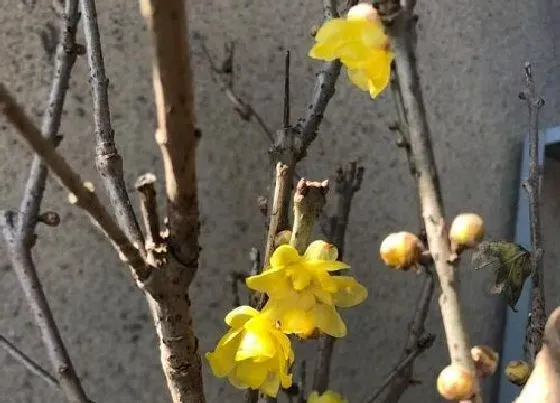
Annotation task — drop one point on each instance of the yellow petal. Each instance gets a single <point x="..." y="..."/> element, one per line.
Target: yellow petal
<point x="328" y="320"/>
<point x="301" y="279"/>
<point x="325" y="281"/>
<point x="373" y="35"/>
<point x="251" y="374"/>
<point x="327" y="397"/>
<point x="255" y="346"/>
<point x="321" y="250"/>
<point x="298" y="321"/>
<point x="350" y="292"/>
<point x="271" y="385"/>
<point x="359" y="78"/>
<point x="329" y="265"/>
<point x="284" y="255"/>
<point x="238" y="316"/>
<point x="222" y="359"/>
<point x="273" y="282"/>
<point x="321" y="294"/>
<point x="379" y="72"/>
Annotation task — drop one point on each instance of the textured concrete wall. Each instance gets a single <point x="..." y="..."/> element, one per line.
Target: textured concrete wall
<point x="470" y="52"/>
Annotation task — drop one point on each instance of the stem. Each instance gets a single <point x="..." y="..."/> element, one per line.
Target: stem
<point x="429" y="189"/>
<point x="176" y="136"/>
<point x="537" y="319"/>
<point x="108" y="161"/>
<point x="85" y="199"/>
<point x="348" y="182"/>
<point x="309" y="200"/>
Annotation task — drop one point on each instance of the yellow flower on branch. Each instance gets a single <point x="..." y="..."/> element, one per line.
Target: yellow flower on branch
<point x="302" y="292"/>
<point x="254" y="353"/>
<point x="360" y="43"/>
<point x="328" y="397"/>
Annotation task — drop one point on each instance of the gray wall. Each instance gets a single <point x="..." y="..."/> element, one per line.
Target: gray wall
<point x="471" y="53"/>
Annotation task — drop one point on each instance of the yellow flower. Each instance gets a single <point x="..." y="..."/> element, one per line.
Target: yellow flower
<point x="254" y="353"/>
<point x="303" y="294"/>
<point x="328" y="397"/>
<point x="360" y="43"/>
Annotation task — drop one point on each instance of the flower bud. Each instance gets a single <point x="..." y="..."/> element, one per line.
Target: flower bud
<point x="455" y="383"/>
<point x="282" y="238"/>
<point x="362" y="12"/>
<point x="401" y="250"/>
<point x="467" y="230"/>
<point x="518" y="372"/>
<point x="485" y="360"/>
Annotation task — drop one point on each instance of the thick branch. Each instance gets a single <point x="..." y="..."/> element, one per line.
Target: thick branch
<point x="28" y="363"/>
<point x="176" y="136"/>
<point x="537" y="319"/>
<point x="109" y="162"/>
<point x="348" y="181"/>
<point x="173" y="89"/>
<point x="428" y="184"/>
<point x="86" y="199"/>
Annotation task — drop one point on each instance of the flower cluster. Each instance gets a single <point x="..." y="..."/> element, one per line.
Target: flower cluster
<point x="360" y="43"/>
<point x="303" y="295"/>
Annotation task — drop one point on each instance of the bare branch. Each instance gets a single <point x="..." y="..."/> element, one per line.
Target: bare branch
<point x="226" y="77"/>
<point x="422" y="344"/>
<point x="398" y="27"/>
<point x="108" y="161"/>
<point x="28" y="363"/>
<point x="537" y="319"/>
<point x="176" y="136"/>
<point x="26" y="273"/>
<point x="176" y="125"/>
<point x="309" y="200"/>
<point x="19" y="227"/>
<point x="348" y="181"/>
<point x="85" y="199"/>
<point x="66" y="53"/>
<point x="402" y="375"/>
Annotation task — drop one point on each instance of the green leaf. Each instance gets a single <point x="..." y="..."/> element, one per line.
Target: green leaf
<point x="510" y="262"/>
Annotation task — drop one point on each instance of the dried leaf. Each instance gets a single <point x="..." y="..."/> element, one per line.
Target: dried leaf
<point x="510" y="262"/>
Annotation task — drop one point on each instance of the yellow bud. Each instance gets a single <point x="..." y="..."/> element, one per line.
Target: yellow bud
<point x="485" y="360"/>
<point x="362" y="12"/>
<point x="282" y="238"/>
<point x="518" y="372"/>
<point x="467" y="230"/>
<point x="89" y="186"/>
<point x="401" y="250"/>
<point x="455" y="383"/>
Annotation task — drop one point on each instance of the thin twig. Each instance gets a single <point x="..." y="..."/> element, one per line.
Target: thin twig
<point x="537" y="319"/>
<point x="403" y="375"/>
<point x="28" y="363"/>
<point x="423" y="344"/>
<point x="176" y="136"/>
<point x="19" y="227"/>
<point x="155" y="249"/>
<point x="348" y="181"/>
<point x="108" y="161"/>
<point x="85" y="198"/>
<point x="226" y="77"/>
<point x="399" y="27"/>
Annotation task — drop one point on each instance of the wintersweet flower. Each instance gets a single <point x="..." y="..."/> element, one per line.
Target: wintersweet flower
<point x="360" y="43"/>
<point x="254" y="353"/>
<point x="302" y="292"/>
<point x="328" y="397"/>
